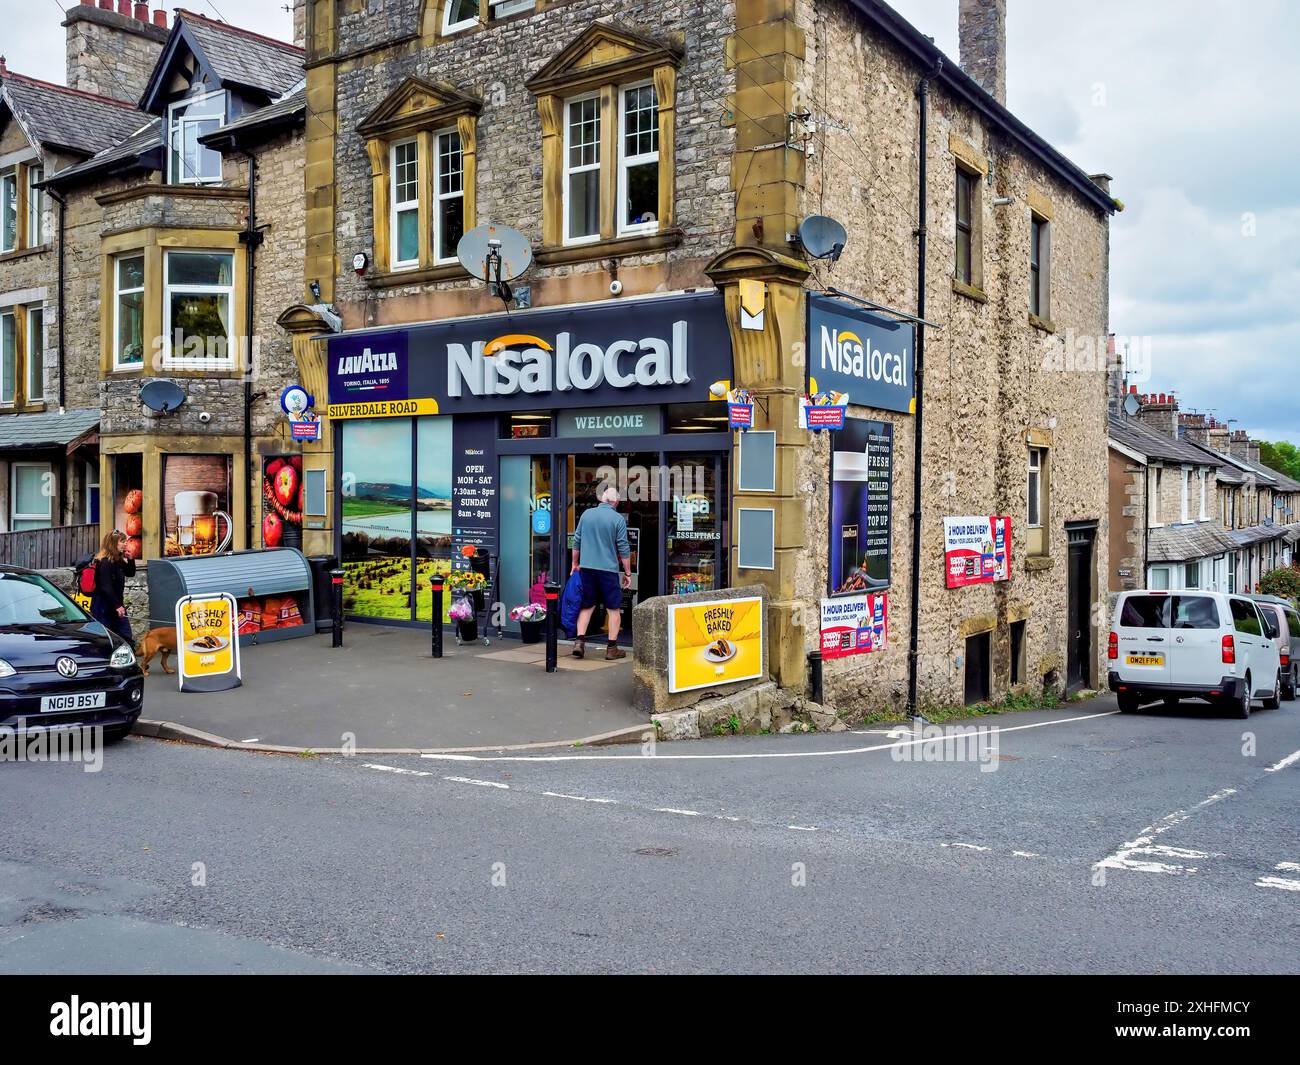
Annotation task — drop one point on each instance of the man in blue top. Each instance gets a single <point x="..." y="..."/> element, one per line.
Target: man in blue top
<point x="600" y="550"/>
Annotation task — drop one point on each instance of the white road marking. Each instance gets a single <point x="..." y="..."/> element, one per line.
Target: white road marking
<point x="1025" y="854"/>
<point x="802" y="828"/>
<point x="478" y="783"/>
<point x="579" y="798"/>
<point x="1287" y="867"/>
<point x="670" y="810"/>
<point x="1145" y="843"/>
<point x="395" y="769"/>
<point x="1290" y="759"/>
<point x="737" y="757"/>
<point x="251" y="739"/>
<point x="1278" y="882"/>
<point x="966" y="846"/>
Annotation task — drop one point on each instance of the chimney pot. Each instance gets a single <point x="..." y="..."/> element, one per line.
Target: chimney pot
<point x="106" y="5"/>
<point x="982" y="32"/>
<point x="4" y="67"/>
<point x="141" y="12"/>
<point x="160" y="18"/>
<point x="124" y="7"/>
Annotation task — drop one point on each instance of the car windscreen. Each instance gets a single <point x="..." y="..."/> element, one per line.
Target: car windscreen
<point x="29" y="599"/>
<point x="1145" y="612"/>
<point x="1195" y="612"/>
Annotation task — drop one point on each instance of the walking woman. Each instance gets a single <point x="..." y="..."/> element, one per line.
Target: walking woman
<point x="112" y="568"/>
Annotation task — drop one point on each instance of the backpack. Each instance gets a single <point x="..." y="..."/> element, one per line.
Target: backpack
<point x="86" y="577"/>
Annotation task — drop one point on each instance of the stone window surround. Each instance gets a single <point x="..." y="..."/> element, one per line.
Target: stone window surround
<point x="563" y="79"/>
<point x="389" y="125"/>
<point x="972" y="161"/>
<point x="431" y="23"/>
<point x="154" y="242"/>
<point x="1038" y="543"/>
<point x="1040" y="210"/>
<point x="22" y="319"/>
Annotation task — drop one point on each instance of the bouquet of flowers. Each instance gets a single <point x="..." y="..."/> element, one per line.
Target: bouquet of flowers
<point x="465" y="580"/>
<point x="528" y="612"/>
<point x="461" y="609"/>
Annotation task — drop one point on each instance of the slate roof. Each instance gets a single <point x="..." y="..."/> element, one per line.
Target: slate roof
<point x="19" y="432"/>
<point x="1184" y="543"/>
<point x="241" y="57"/>
<point x="125" y="153"/>
<point x="1258" y="534"/>
<point x="1153" y="445"/>
<point x="58" y="117"/>
<point x="286" y="113"/>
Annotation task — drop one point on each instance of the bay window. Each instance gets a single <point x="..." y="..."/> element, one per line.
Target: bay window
<point x="31" y="496"/>
<point x="9" y="211"/>
<point x="35" y="354"/>
<point x="128" y="312"/>
<point x="198" y="297"/>
<point x="188" y="161"/>
<point x="582" y="171"/>
<point x="406" y="205"/>
<point x="638" y="164"/>
<point x="35" y="207"/>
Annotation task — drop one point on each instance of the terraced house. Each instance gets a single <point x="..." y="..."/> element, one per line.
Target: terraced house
<point x="659" y="161"/>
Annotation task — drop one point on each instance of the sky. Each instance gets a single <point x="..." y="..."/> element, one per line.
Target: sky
<point x="1191" y="105"/>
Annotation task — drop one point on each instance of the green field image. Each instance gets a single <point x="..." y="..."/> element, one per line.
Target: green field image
<point x="371" y="508"/>
<point x="381" y="588"/>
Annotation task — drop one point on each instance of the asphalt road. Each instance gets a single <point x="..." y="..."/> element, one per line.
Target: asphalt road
<point x="1096" y="844"/>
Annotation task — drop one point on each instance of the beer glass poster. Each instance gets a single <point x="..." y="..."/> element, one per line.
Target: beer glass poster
<point x="862" y="479"/>
<point x="976" y="550"/>
<point x="854" y="625"/>
<point x="714" y="642"/>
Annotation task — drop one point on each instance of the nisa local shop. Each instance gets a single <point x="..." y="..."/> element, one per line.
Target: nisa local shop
<point x="497" y="432"/>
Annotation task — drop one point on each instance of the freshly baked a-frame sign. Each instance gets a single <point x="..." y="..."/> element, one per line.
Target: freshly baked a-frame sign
<point x="419" y="109"/>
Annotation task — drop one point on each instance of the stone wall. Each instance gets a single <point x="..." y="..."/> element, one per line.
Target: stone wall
<point x="109" y="53"/>
<point x="1128" y="523"/>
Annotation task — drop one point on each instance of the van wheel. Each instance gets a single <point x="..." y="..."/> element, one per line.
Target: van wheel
<point x="1275" y="700"/>
<point x="1241" y="708"/>
<point x="1128" y="703"/>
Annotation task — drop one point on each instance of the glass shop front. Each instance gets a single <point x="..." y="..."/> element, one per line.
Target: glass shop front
<point x="473" y="446"/>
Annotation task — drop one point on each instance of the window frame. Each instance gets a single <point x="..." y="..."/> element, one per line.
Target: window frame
<point x="437" y="197"/>
<point x="569" y="240"/>
<point x="35" y="207"/>
<point x="626" y="162"/>
<point x="1034" y="488"/>
<point x="35" y="388"/>
<point x="1040" y="266"/>
<point x="515" y="7"/>
<point x="1205" y="514"/>
<point x="14" y="515"/>
<point x="171" y="129"/>
<point x="10" y="313"/>
<point x="9" y="200"/>
<point x="1185" y="497"/>
<point x="968" y="179"/>
<point x="92" y="485"/>
<point x="171" y="361"/>
<point x="118" y="293"/>
<point x="397" y="208"/>
<point x="448" y="27"/>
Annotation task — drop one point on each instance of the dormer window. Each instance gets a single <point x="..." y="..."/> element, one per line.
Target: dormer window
<point x="188" y="161"/>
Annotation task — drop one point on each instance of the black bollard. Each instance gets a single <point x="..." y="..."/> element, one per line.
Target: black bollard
<point x="336" y="587"/>
<point x="815" y="675"/>
<point x="435" y="582"/>
<point x="552" y="624"/>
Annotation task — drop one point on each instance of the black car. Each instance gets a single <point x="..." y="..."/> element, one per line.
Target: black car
<point x="58" y="666"/>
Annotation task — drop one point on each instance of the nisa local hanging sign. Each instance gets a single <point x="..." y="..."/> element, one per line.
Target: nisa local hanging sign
<point x="823" y="410"/>
<point x="740" y="408"/>
<point x="868" y="356"/>
<point x="663" y="349"/>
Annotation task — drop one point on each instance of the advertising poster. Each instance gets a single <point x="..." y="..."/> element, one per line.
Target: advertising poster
<point x="282" y="501"/>
<point x="715" y="642"/>
<point x="474" y="486"/>
<point x="368" y="378"/>
<point x="209" y="650"/>
<point x="196" y="505"/>
<point x="866" y="355"/>
<point x="976" y="550"/>
<point x="862" y="493"/>
<point x="854" y="625"/>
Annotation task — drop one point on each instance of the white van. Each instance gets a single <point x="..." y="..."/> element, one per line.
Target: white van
<point x="1189" y="644"/>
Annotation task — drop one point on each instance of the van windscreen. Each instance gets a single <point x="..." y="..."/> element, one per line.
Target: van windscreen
<point x="1145" y="612"/>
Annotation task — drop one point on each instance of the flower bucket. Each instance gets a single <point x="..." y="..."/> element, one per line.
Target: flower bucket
<point x="531" y="631"/>
<point x="468" y="630"/>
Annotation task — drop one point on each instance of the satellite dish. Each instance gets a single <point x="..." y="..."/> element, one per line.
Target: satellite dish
<point x="1132" y="404"/>
<point x="162" y="396"/>
<point x="495" y="254"/>
<point x="822" y="237"/>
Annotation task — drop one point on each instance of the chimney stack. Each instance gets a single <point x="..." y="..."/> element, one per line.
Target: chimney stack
<point x="1160" y="413"/>
<point x="112" y="47"/>
<point x="1195" y="428"/>
<point x="1253" y="453"/>
<point x="982" y="29"/>
<point x="1239" y="445"/>
<point x="300" y="23"/>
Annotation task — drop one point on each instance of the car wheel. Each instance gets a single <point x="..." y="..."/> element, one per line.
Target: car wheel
<point x="1288" y="690"/>
<point x="116" y="735"/>
<point x="1128" y="703"/>
<point x="1171" y="702"/>
<point x="1275" y="700"/>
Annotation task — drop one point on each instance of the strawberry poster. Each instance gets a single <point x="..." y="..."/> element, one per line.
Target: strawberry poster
<point x="282" y="501"/>
<point x="976" y="550"/>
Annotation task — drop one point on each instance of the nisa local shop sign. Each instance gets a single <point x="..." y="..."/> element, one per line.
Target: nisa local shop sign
<point x="869" y="357"/>
<point x="663" y="349"/>
<point x="715" y="642"/>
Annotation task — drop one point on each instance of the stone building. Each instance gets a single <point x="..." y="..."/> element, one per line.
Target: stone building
<point x="659" y="159"/>
<point x="185" y="242"/>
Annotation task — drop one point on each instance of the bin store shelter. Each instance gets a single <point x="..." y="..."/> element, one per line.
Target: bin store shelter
<point x="498" y="431"/>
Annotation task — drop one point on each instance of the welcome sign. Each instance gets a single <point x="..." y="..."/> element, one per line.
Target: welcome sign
<point x="663" y="349"/>
<point x="870" y="357"/>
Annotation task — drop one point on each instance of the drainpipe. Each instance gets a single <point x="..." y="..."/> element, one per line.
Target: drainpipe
<point x="913" y="652"/>
<point x="251" y="238"/>
<point x="63" y="208"/>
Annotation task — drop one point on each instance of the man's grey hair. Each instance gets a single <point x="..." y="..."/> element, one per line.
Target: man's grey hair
<point x="610" y="495"/>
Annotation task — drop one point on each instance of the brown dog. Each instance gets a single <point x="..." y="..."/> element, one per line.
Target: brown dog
<point x="161" y="642"/>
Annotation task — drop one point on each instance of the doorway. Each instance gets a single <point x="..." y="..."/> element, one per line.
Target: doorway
<point x="1079" y="606"/>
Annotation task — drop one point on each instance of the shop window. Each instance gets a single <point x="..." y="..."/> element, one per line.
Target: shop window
<point x="1017" y="652"/>
<point x="977" y="669"/>
<point x="188" y="161"/>
<point x="196" y="493"/>
<point x="8" y="357"/>
<point x="128" y="312"/>
<point x="35" y="354"/>
<point x="697" y="418"/>
<point x="197" y="304"/>
<point x="31" y="495"/>
<point x="9" y="211"/>
<point x="525" y="425"/>
<point x="35" y="207"/>
<point x="696" y="526"/>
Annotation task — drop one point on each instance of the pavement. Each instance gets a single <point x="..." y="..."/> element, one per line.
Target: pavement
<point x="383" y="690"/>
<point x="1095" y="843"/>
